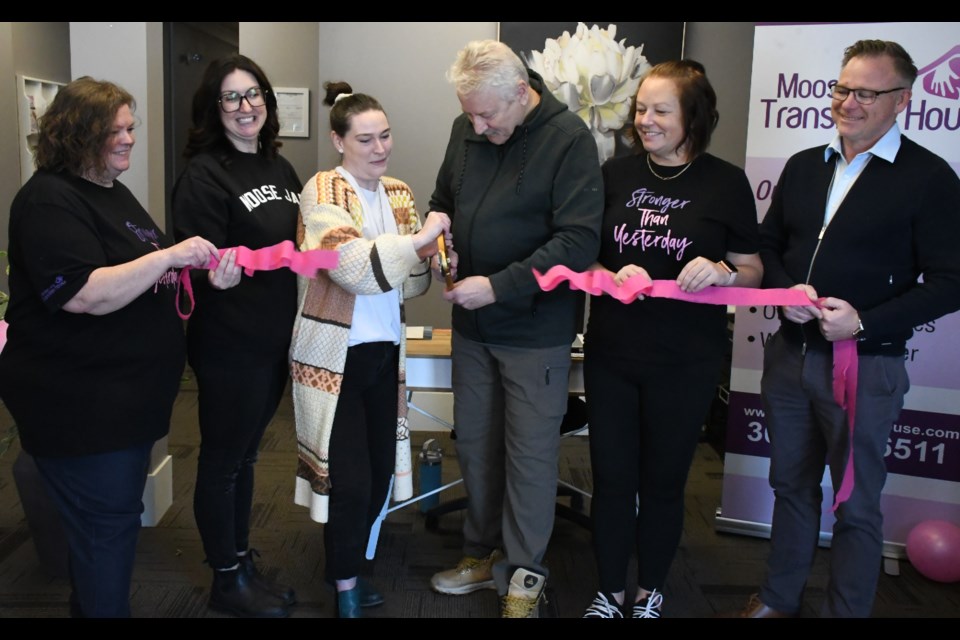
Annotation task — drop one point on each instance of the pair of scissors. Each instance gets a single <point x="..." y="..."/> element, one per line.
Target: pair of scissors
<point x="444" y="262"/>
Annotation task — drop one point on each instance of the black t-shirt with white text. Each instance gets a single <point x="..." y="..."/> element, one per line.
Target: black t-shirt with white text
<point x="245" y="200"/>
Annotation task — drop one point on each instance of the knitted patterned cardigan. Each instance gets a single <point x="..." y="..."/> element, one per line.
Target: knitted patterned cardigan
<point x="331" y="217"/>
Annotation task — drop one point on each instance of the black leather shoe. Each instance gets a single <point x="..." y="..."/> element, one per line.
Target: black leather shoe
<point x="348" y="603"/>
<point x="369" y="597"/>
<point x="281" y="592"/>
<point x="233" y="592"/>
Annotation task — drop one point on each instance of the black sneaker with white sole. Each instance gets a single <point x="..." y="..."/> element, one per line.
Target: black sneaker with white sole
<point x="604" y="606"/>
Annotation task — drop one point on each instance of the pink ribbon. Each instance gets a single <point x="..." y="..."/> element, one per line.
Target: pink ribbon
<point x="600" y="281"/>
<point x="845" y="374"/>
<point x="283" y="254"/>
<point x="845" y="363"/>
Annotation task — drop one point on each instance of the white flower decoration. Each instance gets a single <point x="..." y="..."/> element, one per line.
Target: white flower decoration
<point x="595" y="76"/>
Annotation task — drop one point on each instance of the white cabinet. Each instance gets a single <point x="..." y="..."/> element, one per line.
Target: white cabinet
<point x="33" y="98"/>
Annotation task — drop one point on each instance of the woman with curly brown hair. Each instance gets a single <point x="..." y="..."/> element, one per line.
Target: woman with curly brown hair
<point x="96" y="350"/>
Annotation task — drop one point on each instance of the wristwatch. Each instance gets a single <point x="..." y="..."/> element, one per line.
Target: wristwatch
<point x="858" y="333"/>
<point x="731" y="270"/>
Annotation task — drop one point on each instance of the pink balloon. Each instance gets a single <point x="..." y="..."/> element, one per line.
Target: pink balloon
<point x="933" y="548"/>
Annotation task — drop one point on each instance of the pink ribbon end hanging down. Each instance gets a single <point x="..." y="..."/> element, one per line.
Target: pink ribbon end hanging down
<point x="845" y="369"/>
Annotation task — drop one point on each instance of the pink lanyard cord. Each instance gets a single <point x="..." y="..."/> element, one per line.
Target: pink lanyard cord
<point x="845" y="362"/>
<point x="280" y="255"/>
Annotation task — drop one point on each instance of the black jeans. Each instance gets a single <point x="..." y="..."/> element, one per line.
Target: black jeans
<point x="236" y="404"/>
<point x="363" y="445"/>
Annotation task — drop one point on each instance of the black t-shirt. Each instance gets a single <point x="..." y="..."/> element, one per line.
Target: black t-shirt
<point x="245" y="200"/>
<point x="661" y="225"/>
<point x="77" y="383"/>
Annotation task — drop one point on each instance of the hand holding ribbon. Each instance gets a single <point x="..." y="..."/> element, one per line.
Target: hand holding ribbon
<point x="283" y="254"/>
<point x="600" y="282"/>
<point x="845" y="363"/>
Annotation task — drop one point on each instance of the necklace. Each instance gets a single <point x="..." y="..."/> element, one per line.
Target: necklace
<point x="680" y="173"/>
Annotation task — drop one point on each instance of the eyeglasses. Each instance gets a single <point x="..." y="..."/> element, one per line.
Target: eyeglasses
<point x="231" y="100"/>
<point x="863" y="96"/>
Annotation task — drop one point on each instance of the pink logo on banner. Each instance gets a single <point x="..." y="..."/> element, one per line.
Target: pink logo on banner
<point x="942" y="76"/>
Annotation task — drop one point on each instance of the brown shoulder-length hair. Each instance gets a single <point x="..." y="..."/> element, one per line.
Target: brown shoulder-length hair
<point x="74" y="131"/>
<point x="698" y="104"/>
<point x="207" y="134"/>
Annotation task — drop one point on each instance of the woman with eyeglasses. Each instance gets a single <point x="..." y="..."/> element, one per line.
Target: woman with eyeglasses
<point x="237" y="190"/>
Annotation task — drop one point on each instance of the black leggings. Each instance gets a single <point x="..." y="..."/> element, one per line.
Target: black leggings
<point x="236" y="404"/>
<point x="363" y="446"/>
<point x="645" y="422"/>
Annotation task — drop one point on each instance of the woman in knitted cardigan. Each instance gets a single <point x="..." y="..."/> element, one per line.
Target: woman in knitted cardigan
<point x="347" y="356"/>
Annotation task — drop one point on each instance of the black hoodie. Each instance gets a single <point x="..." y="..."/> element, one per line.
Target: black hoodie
<point x="534" y="202"/>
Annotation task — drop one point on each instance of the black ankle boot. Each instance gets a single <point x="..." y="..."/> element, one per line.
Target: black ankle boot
<point x="281" y="592"/>
<point x="233" y="592"/>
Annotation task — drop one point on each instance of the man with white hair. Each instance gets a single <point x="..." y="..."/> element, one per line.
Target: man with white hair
<point x="521" y="183"/>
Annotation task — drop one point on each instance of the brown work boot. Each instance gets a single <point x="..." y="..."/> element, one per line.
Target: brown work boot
<point x="470" y="574"/>
<point x="756" y="609"/>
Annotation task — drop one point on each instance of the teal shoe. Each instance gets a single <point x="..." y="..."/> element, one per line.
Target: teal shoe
<point x="348" y="603"/>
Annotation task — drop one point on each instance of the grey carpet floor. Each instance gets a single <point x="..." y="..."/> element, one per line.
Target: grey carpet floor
<point x="712" y="572"/>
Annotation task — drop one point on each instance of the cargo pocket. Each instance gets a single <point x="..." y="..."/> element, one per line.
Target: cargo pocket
<point x="552" y="388"/>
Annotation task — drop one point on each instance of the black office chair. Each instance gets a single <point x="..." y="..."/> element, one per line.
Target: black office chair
<point x="574" y="422"/>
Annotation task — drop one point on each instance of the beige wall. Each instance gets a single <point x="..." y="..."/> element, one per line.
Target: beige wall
<point x="407" y="76"/>
<point x="131" y="55"/>
<point x="42" y="49"/>
<point x="726" y="50"/>
<point x="404" y="68"/>
<point x="287" y="52"/>
<point x="9" y="156"/>
<point x="38" y="50"/>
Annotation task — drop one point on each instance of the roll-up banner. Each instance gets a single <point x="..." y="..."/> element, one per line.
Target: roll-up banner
<point x="794" y="66"/>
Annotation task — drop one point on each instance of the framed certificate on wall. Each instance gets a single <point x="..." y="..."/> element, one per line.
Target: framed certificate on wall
<point x="293" y="109"/>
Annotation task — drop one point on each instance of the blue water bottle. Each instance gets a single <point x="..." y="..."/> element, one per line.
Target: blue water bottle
<point x="431" y="459"/>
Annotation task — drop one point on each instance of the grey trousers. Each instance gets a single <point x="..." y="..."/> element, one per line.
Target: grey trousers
<point x="508" y="406"/>
<point x="808" y="429"/>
